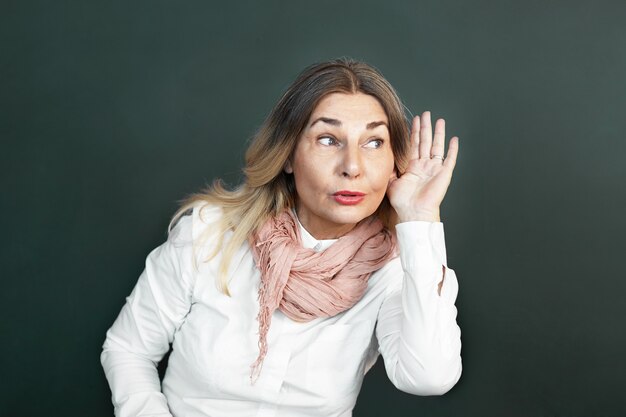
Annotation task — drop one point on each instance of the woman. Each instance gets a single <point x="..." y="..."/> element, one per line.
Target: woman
<point x="278" y="296"/>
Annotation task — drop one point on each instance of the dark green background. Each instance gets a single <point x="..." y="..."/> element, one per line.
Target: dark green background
<point x="111" y="112"/>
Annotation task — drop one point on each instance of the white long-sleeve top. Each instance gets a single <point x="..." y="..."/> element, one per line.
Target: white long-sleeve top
<point x="311" y="369"/>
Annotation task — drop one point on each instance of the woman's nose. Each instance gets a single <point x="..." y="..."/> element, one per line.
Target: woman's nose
<point x="351" y="165"/>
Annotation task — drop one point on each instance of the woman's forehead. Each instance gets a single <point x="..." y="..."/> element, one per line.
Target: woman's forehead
<point x="342" y="108"/>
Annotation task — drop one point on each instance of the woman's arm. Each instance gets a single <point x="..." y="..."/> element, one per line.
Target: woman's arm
<point x="145" y="327"/>
<point x="417" y="331"/>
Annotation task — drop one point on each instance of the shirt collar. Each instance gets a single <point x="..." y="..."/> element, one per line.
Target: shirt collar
<point x="309" y="242"/>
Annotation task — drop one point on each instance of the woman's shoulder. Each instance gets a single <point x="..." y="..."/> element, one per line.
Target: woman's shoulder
<point x="387" y="279"/>
<point x="195" y="222"/>
<point x="205" y="214"/>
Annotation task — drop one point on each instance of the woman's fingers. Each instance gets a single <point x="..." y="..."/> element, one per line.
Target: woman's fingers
<point x="425" y="144"/>
<point x="426" y="135"/>
<point x="439" y="139"/>
<point x="453" y="150"/>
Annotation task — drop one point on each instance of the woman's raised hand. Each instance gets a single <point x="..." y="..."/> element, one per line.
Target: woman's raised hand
<point x="418" y="193"/>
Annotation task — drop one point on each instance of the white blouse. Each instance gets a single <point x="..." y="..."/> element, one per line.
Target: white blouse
<point x="311" y="369"/>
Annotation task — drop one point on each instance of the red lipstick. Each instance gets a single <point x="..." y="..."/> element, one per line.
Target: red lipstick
<point x="348" y="198"/>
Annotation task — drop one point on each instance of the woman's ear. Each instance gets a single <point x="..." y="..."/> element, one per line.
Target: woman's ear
<point x="288" y="168"/>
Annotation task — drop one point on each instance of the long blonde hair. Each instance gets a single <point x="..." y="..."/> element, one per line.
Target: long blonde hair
<point x="267" y="190"/>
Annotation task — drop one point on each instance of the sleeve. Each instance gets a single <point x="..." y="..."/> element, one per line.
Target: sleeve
<point x="145" y="327"/>
<point x="418" y="336"/>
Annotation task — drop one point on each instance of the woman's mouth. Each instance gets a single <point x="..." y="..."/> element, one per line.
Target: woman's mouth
<point x="348" y="198"/>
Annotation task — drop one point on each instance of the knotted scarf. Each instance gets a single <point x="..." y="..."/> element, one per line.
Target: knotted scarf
<point x="305" y="284"/>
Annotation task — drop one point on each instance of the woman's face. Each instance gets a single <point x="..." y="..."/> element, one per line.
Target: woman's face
<point x="342" y="164"/>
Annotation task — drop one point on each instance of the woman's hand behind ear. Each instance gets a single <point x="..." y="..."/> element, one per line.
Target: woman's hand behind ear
<point x="418" y="193"/>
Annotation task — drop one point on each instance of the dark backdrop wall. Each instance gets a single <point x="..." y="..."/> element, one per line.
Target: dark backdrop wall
<point x="112" y="112"/>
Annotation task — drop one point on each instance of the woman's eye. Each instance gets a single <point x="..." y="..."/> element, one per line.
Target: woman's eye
<point x="374" y="143"/>
<point x="327" y="141"/>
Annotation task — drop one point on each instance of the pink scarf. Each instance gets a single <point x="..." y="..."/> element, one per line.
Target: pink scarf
<point x="306" y="284"/>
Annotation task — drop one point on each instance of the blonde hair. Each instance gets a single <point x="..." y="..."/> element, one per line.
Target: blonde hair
<point x="267" y="190"/>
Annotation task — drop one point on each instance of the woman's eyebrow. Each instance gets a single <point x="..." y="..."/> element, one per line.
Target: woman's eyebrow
<point x="335" y="122"/>
<point x="372" y="125"/>
<point x="328" y="120"/>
